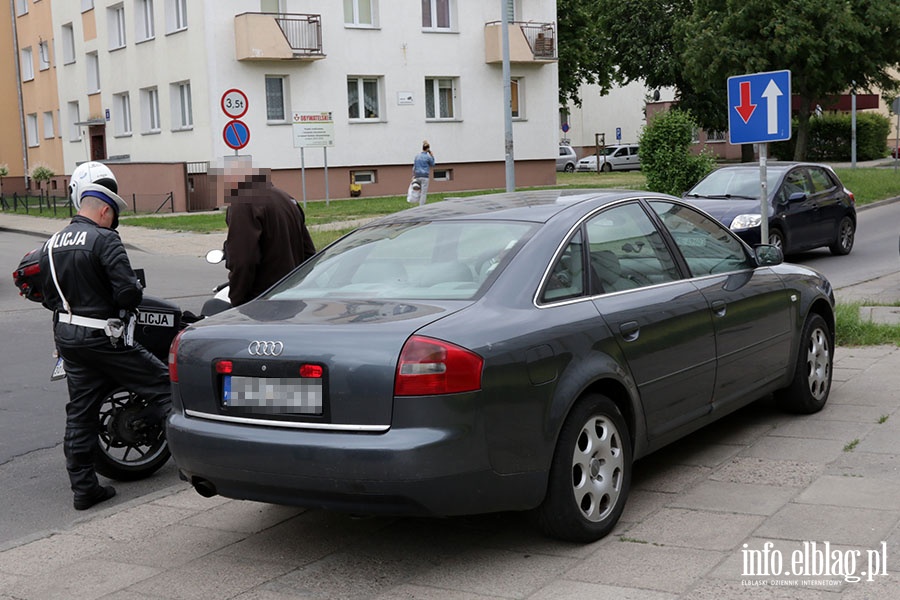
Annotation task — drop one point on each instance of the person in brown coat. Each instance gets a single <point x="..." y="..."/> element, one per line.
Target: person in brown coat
<point x="267" y="234"/>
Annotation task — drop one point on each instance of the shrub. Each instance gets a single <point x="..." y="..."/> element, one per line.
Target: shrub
<point x="666" y="158"/>
<point x="830" y="138"/>
<point x="42" y="173"/>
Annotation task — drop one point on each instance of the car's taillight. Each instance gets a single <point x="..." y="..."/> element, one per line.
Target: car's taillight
<point x="428" y="367"/>
<point x="852" y="197"/>
<point x="173" y="358"/>
<point x="224" y="367"/>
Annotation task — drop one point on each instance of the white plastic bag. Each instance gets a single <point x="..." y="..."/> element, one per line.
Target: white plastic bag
<point x="414" y="191"/>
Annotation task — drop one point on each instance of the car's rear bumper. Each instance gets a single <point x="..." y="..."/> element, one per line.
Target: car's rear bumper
<point x="402" y="471"/>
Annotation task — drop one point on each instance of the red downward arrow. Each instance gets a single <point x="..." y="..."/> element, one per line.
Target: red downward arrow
<point x="745" y="109"/>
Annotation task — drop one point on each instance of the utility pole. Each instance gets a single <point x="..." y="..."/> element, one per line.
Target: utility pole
<point x="507" y="101"/>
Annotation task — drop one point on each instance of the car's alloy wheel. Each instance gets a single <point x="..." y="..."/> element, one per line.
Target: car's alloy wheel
<point x="591" y="473"/>
<point x="811" y="384"/>
<point x="776" y="238"/>
<point x="845" y="237"/>
<point x="570" y="168"/>
<point x="606" y="168"/>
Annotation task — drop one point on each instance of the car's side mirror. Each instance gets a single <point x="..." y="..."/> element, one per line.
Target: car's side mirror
<point x="214" y="257"/>
<point x="797" y="197"/>
<point x="767" y="255"/>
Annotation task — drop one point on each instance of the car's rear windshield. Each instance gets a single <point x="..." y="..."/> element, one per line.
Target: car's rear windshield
<point x="736" y="183"/>
<point x="443" y="260"/>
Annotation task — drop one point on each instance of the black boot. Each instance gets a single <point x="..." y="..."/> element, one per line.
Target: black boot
<point x="100" y="495"/>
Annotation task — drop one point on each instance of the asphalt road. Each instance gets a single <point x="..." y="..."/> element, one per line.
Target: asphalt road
<point x="33" y="484"/>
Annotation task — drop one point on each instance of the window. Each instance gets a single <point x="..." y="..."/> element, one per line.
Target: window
<point x="706" y="245"/>
<point x="516" y="89"/>
<point x="362" y="177"/>
<point x="438" y="14"/>
<point x="440" y="98"/>
<point x="21" y="7"/>
<point x="716" y="136"/>
<point x="93" y="73"/>
<point x="361" y="13"/>
<point x="182" y="110"/>
<point x="115" y="16"/>
<point x="566" y="279"/>
<point x="68" y="44"/>
<point x="87" y="5"/>
<point x="442" y="174"/>
<point x="821" y="182"/>
<point x="150" y="110"/>
<point x="363" y="98"/>
<point x="44" y="55"/>
<point x="49" y="129"/>
<point x="31" y="129"/>
<point x="276" y="99"/>
<point x="74" y="120"/>
<point x="122" y="113"/>
<point x="27" y="61"/>
<point x="176" y="15"/>
<point x="144" y="27"/>
<point x="272" y="6"/>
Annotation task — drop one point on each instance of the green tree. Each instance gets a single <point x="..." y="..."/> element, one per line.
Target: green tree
<point x="666" y="158"/>
<point x="581" y="51"/>
<point x="42" y="174"/>
<point x="4" y="171"/>
<point x="826" y="44"/>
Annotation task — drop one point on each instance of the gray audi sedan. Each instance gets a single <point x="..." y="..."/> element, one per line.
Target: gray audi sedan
<point x="503" y="352"/>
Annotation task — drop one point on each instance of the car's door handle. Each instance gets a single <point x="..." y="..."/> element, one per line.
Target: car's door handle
<point x="719" y="308"/>
<point x="630" y="330"/>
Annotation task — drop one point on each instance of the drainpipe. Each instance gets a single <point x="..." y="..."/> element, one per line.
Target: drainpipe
<point x="17" y="58"/>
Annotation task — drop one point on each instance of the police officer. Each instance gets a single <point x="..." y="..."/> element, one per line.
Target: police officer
<point x="89" y="284"/>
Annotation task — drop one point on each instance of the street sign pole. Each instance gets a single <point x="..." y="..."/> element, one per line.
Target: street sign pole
<point x="763" y="194"/>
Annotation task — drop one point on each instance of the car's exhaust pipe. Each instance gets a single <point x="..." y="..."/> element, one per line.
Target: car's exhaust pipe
<point x="204" y="488"/>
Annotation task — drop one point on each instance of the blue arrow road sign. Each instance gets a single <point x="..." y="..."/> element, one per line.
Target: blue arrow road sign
<point x="759" y="107"/>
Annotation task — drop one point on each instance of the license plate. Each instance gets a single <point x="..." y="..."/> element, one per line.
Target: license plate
<point x="59" y="370"/>
<point x="273" y="395"/>
<point x="156" y="319"/>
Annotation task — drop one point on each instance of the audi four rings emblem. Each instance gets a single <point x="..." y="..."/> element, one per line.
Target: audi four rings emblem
<point x="265" y="348"/>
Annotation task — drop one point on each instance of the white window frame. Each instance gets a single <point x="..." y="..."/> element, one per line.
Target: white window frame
<point x="273" y="104"/>
<point x="176" y="16"/>
<point x="44" y="60"/>
<point x="93" y="73"/>
<point x="21" y="7"/>
<point x="442" y="174"/>
<point x="68" y="43"/>
<point x="49" y="128"/>
<point x="115" y="21"/>
<point x="27" y="63"/>
<point x="31" y="130"/>
<point x="353" y="14"/>
<point x="433" y="87"/>
<point x="517" y="97"/>
<point x="432" y="24"/>
<point x="87" y="5"/>
<point x="74" y="120"/>
<point x="182" y="105"/>
<point x="122" y="114"/>
<point x="150" y="110"/>
<point x="363" y="177"/>
<point x="144" y="21"/>
<point x="360" y="82"/>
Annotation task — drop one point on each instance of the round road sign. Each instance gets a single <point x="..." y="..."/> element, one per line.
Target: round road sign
<point x="234" y="103"/>
<point x="236" y="134"/>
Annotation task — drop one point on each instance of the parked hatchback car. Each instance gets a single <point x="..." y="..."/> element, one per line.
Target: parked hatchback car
<point x="808" y="205"/>
<point x="612" y="158"/>
<point x="504" y="352"/>
<point x="567" y="159"/>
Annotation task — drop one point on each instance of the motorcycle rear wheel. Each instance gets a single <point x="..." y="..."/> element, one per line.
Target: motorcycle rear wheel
<point x="122" y="453"/>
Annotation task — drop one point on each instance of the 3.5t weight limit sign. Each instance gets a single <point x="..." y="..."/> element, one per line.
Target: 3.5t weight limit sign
<point x="234" y="103"/>
<point x="759" y="107"/>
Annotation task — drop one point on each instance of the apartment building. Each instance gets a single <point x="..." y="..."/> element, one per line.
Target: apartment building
<point x="141" y="83"/>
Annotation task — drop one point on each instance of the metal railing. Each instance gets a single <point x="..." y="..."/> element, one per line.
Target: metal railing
<point x="541" y="37"/>
<point x="303" y="32"/>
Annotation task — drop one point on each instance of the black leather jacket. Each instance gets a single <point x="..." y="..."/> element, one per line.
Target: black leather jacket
<point x="94" y="274"/>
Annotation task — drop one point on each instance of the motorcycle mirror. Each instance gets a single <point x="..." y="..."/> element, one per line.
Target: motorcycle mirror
<point x="214" y="257"/>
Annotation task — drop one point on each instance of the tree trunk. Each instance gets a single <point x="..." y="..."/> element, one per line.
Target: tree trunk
<point x="800" y="147"/>
<point x="747" y="154"/>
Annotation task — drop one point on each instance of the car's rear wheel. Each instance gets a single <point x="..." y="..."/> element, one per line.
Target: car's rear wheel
<point x="776" y="238"/>
<point x="590" y="475"/>
<point x="570" y="168"/>
<point x="811" y="385"/>
<point x="606" y="168"/>
<point x="845" y="237"/>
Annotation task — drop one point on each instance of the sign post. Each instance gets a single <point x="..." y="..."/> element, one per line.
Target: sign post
<point x="314" y="129"/>
<point x="759" y="112"/>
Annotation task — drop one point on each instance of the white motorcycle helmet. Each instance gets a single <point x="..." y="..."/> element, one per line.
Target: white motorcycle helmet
<point x="97" y="180"/>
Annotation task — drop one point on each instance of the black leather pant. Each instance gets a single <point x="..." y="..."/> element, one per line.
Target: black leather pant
<point x="92" y="373"/>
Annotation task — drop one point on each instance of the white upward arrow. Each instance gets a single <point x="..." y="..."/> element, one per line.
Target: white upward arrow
<point x="771" y="95"/>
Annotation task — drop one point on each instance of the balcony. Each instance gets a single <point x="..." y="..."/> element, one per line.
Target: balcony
<point x="277" y="36"/>
<point x="529" y="42"/>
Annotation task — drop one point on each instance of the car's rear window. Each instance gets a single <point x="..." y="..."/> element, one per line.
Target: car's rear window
<point x="446" y="260"/>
